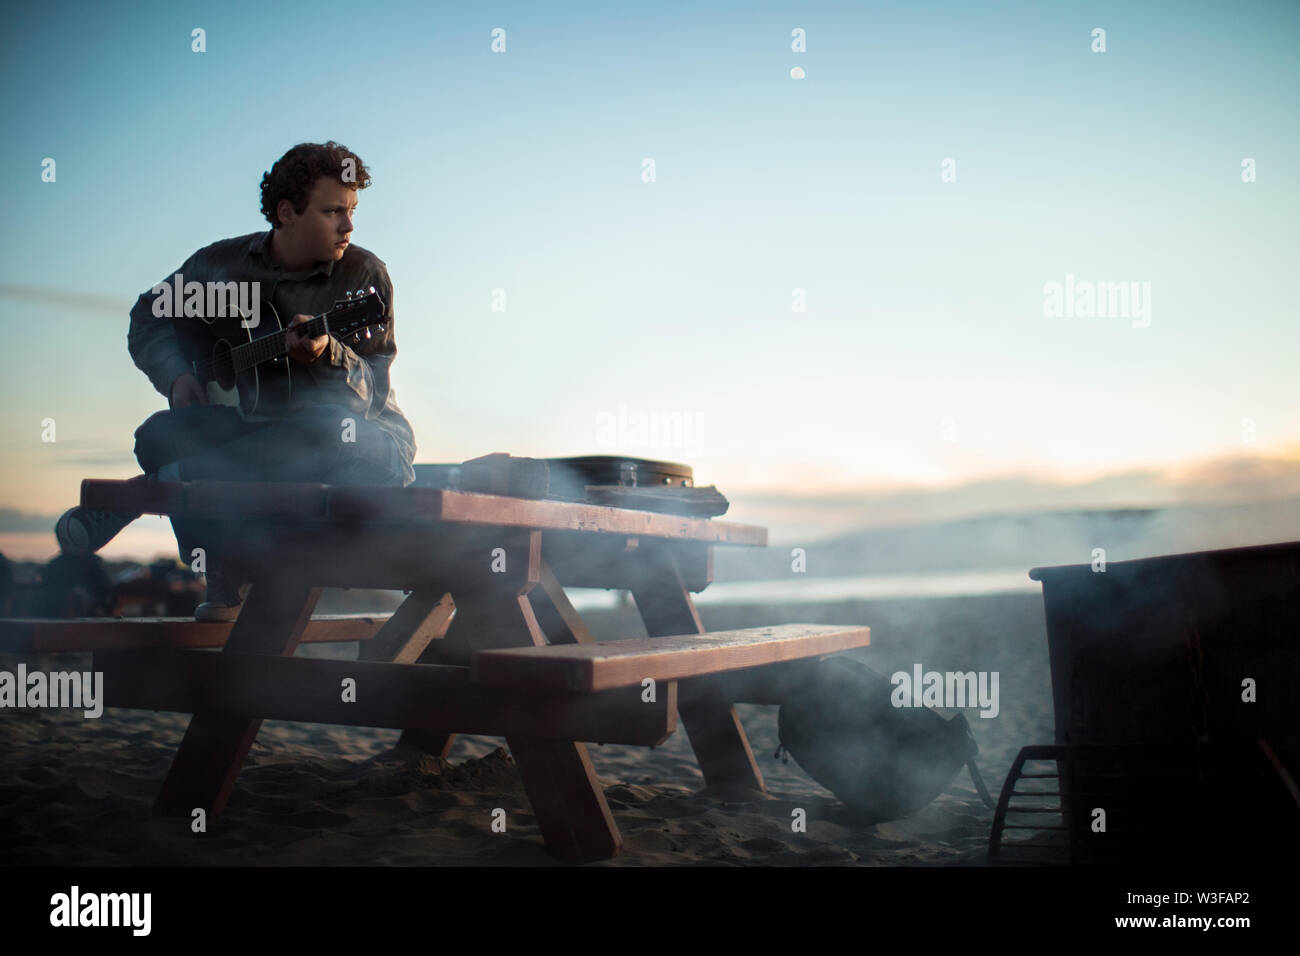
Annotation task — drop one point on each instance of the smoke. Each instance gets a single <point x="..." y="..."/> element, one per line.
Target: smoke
<point x="799" y="516"/>
<point x="1023" y="541"/>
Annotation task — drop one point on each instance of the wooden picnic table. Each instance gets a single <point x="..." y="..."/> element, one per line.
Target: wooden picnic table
<point x="486" y="642"/>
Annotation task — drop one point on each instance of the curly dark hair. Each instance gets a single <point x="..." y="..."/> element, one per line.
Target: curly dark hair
<point x="295" y="173"/>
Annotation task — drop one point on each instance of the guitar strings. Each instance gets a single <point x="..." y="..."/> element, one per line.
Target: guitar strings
<point x="267" y="347"/>
<point x="273" y="344"/>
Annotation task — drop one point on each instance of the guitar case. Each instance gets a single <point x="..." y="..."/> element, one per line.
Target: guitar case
<point x="638" y="483"/>
<point x="614" y="480"/>
<point x="883" y="762"/>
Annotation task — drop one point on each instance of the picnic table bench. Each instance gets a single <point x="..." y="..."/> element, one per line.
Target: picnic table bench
<point x="485" y="642"/>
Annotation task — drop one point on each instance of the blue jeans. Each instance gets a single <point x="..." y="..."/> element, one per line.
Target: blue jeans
<point x="318" y="443"/>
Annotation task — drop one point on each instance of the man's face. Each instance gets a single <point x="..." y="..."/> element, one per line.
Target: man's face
<point x="321" y="231"/>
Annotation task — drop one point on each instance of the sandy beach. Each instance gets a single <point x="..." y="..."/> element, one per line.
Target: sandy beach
<point x="76" y="792"/>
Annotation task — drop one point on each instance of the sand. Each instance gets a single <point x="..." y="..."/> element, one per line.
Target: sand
<point x="78" y="792"/>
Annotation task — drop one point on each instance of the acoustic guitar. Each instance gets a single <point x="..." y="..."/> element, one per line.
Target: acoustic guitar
<point x="250" y="367"/>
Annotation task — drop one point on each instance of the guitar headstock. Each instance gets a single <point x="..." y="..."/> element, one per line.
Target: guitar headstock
<point x="356" y="314"/>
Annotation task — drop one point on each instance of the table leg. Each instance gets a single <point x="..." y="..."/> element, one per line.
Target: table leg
<point x="556" y="615"/>
<point x="558" y="772"/>
<point x="420" y="619"/>
<point x="567" y="798"/>
<point x="716" y="735"/>
<point x="561" y="784"/>
<point x="204" y="769"/>
<point x="410" y="636"/>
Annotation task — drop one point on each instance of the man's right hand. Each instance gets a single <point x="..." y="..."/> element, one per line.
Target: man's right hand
<point x="187" y="391"/>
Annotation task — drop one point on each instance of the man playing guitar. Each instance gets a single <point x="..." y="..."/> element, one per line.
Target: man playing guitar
<point x="315" y="409"/>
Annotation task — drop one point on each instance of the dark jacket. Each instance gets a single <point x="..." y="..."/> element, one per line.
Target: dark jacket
<point x="355" y="375"/>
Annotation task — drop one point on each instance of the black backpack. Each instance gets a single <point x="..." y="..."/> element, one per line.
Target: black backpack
<point x="882" y="761"/>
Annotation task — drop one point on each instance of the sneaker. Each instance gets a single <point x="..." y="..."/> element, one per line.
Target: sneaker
<point x="223" y="599"/>
<point x="81" y="532"/>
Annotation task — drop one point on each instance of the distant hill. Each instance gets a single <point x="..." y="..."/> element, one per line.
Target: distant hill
<point x="1022" y="540"/>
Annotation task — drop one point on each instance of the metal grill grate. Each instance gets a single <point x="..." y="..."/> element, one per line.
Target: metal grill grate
<point x="1030" y="823"/>
<point x="1159" y="803"/>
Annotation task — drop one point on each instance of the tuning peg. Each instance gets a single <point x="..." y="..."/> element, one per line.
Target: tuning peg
<point x="381" y="326"/>
<point x="367" y="333"/>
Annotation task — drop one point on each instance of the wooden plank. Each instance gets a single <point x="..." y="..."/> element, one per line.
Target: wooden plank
<point x="207" y="498"/>
<point x="582" y="668"/>
<point x="570" y="516"/>
<point x="556" y="615"/>
<point x="53" y="635"/>
<point x="410" y="556"/>
<point x="423" y="617"/>
<point x="396" y="556"/>
<point x="432" y="504"/>
<point x="716" y="735"/>
<point x="133" y="497"/>
<point x="257" y="499"/>
<point x="341" y="504"/>
<point x="434" y="698"/>
<point x="203" y="772"/>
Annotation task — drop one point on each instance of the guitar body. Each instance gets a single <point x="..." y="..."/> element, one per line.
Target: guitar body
<point x="266" y="385"/>
<point x="211" y="350"/>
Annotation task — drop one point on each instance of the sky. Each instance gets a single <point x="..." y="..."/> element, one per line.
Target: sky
<point x="831" y="298"/>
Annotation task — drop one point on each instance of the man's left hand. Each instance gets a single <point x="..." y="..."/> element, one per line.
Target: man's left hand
<point x="301" y="349"/>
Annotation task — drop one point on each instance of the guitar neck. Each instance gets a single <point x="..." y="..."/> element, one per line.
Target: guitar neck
<point x="271" y="347"/>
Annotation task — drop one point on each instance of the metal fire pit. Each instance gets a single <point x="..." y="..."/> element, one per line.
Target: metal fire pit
<point x="1150" y="660"/>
